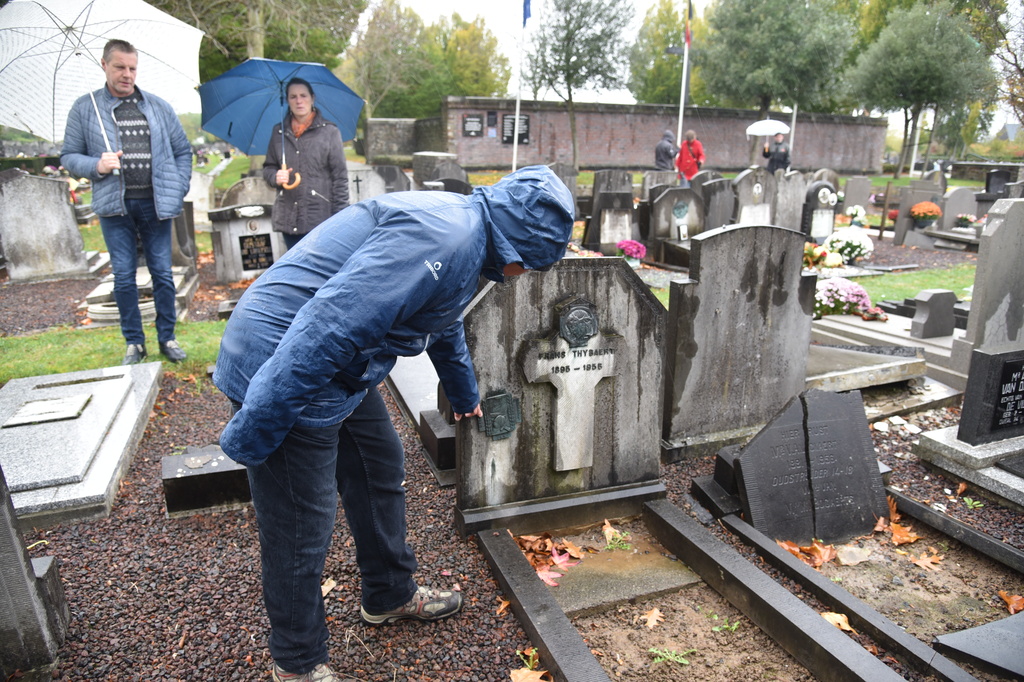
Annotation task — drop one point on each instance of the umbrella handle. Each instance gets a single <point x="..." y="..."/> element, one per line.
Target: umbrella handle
<point x="292" y="185"/>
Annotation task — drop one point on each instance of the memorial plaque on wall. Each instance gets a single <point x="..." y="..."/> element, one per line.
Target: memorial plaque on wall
<point x="994" y="398"/>
<point x="472" y="125"/>
<point x="508" y="123"/>
<point x="257" y="253"/>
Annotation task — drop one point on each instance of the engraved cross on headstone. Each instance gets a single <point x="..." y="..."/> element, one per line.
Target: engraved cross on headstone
<point x="574" y="361"/>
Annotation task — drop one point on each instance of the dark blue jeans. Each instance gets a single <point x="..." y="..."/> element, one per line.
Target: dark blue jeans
<point x="295" y="495"/>
<point x="119" y="233"/>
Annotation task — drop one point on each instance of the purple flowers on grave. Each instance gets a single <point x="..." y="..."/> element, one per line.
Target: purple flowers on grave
<point x="631" y="248"/>
<point x="839" y="296"/>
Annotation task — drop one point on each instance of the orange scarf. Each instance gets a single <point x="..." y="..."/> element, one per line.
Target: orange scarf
<point x="299" y="128"/>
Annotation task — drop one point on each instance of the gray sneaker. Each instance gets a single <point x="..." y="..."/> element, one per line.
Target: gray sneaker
<point x="321" y="673"/>
<point x="426" y="604"/>
<point x="135" y="354"/>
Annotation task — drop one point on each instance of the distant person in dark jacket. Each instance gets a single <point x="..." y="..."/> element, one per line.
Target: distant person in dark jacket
<point x="665" y="151"/>
<point x="314" y="186"/>
<point x="690" y="158"/>
<point x="777" y="154"/>
<point x="301" y="358"/>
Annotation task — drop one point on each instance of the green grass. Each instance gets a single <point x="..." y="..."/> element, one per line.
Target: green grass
<point x="72" y="350"/>
<point x="897" y="286"/>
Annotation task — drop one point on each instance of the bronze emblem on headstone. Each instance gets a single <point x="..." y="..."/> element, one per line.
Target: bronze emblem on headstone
<point x="502" y="414"/>
<point x="577" y="322"/>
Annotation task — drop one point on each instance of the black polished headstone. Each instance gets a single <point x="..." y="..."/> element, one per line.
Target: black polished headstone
<point x="811" y="472"/>
<point x="395" y="179"/>
<point x="994" y="398"/>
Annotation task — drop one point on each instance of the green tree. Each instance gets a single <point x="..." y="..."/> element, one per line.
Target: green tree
<point x="654" y="75"/>
<point x="580" y="45"/>
<point x="909" y="67"/>
<point x="761" y="52"/>
<point x="387" y="55"/>
<point x="307" y="30"/>
<point x="404" y="70"/>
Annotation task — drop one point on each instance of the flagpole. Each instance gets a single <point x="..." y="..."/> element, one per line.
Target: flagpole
<point x="519" y="87"/>
<point x="682" y="78"/>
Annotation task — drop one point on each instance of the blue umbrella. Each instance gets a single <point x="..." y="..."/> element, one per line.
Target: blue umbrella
<point x="242" y="105"/>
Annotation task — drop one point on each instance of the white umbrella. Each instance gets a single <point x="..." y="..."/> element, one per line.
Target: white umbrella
<point x="50" y="53"/>
<point x="767" y="127"/>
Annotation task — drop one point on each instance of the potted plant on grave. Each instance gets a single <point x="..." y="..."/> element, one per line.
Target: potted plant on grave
<point x="965" y="220"/>
<point x="852" y="243"/>
<point x="840" y="296"/>
<point x="817" y="256"/>
<point x="857" y="215"/>
<point x="925" y="213"/>
<point x="633" y="251"/>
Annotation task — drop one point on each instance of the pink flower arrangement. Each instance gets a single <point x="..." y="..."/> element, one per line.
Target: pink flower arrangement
<point x="632" y="249"/>
<point x="839" y="296"/>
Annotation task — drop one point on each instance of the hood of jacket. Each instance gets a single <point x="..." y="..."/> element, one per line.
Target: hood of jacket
<point x="529" y="214"/>
<point x="669" y="136"/>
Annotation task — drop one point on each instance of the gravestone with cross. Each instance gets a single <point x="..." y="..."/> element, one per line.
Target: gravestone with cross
<point x="564" y="359"/>
<point x="364" y="183"/>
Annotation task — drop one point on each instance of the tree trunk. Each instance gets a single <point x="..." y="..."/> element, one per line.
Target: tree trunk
<point x="909" y="125"/>
<point x="757" y="144"/>
<point x="256" y="34"/>
<point x="572" y="132"/>
<point x="928" y="147"/>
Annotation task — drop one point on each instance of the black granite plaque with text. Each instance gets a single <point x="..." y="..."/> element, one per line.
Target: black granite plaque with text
<point x="994" y="398"/>
<point x="256" y="251"/>
<point x="508" y="122"/>
<point x="811" y="472"/>
<point x="472" y="125"/>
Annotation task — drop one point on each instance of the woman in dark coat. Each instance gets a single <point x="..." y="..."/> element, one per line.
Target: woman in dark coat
<point x="306" y="165"/>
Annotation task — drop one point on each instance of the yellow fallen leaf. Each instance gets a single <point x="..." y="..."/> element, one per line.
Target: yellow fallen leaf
<point x="502" y="606"/>
<point x="653" y="617"/>
<point x="527" y="675"/>
<point x="328" y="585"/>
<point x="839" y="620"/>
<point x="929" y="563"/>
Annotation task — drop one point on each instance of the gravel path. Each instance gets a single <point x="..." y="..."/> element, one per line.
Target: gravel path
<point x="154" y="598"/>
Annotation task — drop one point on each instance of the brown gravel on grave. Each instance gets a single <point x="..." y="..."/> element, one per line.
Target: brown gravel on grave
<point x="179" y="599"/>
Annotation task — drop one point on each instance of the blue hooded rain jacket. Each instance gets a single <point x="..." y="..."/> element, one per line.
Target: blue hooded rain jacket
<point x="386" y="277"/>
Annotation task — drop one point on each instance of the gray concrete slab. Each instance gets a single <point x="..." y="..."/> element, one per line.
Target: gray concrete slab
<point x="99" y="454"/>
<point x="965" y="462"/>
<point x="844" y="369"/>
<point x="945" y="444"/>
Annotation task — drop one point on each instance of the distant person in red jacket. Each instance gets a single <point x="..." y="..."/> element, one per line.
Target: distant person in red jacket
<point x="690" y="158"/>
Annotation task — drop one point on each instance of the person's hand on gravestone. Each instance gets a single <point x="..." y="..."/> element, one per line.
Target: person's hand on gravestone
<point x="477" y="412"/>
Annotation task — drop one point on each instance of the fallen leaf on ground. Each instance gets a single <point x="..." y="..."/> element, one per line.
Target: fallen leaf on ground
<point x="328" y="585"/>
<point x="609" y="532"/>
<point x="961" y="489"/>
<point x="902" y="535"/>
<point x="894" y="515"/>
<point x="502" y="606"/>
<point x="880" y="525"/>
<point x="1014" y="602"/>
<point x="574" y="550"/>
<point x="789" y="546"/>
<point x="527" y="675"/>
<point x="653" y="617"/>
<point x="561" y="560"/>
<point x="548" y="576"/>
<point x="929" y="563"/>
<point x="839" y="620"/>
<point x="849" y="555"/>
<point x="819" y="553"/>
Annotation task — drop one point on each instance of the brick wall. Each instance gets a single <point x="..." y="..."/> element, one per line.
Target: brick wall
<point x="623" y="136"/>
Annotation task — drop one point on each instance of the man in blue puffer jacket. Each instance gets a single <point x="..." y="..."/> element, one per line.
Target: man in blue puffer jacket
<point x="301" y="358"/>
<point x="136" y="190"/>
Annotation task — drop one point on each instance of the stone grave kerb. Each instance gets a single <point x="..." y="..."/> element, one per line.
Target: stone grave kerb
<point x="996" y="317"/>
<point x="737" y="339"/>
<point x="589" y="320"/>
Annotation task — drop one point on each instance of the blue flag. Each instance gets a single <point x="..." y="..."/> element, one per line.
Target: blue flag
<point x="526" y="11"/>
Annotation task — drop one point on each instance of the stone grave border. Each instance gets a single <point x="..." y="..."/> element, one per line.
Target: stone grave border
<point x="826" y="652"/>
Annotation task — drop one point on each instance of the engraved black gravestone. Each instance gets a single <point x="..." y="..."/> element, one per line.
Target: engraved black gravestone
<point x="994" y="399"/>
<point x="811" y="472"/>
<point x="256" y="251"/>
